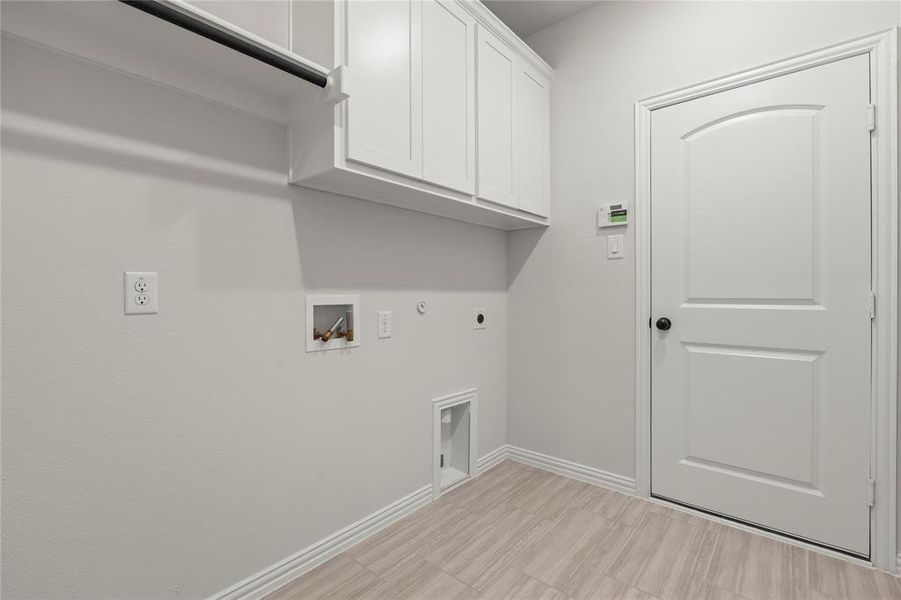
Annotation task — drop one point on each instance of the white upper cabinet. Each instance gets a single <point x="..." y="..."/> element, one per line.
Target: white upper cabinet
<point x="497" y="120"/>
<point x="269" y="19"/>
<point x="436" y="99"/>
<point x="384" y="62"/>
<point x="514" y="128"/>
<point x="533" y="140"/>
<point x="448" y="95"/>
<point x="433" y="106"/>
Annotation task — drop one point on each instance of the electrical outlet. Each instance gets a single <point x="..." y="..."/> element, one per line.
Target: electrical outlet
<point x="479" y="318"/>
<point x="141" y="295"/>
<point x="384" y="324"/>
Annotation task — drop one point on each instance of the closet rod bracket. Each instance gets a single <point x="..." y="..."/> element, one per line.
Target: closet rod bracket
<point x="335" y="89"/>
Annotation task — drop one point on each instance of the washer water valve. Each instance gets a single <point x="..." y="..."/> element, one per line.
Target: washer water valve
<point x="326" y="336"/>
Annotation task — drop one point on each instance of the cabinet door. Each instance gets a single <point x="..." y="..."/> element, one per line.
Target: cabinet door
<point x="448" y="95"/>
<point x="496" y="93"/>
<point x="533" y="140"/>
<point x="269" y="19"/>
<point x="384" y="110"/>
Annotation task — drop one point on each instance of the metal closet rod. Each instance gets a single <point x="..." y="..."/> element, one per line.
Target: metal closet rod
<point x="186" y="21"/>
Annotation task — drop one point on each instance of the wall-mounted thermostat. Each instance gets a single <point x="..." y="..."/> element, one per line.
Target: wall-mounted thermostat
<point x="612" y="215"/>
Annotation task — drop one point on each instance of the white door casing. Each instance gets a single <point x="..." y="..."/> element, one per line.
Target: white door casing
<point x="760" y="302"/>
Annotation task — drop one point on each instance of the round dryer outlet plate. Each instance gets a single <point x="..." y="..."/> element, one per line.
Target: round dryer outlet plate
<point x="479" y="318"/>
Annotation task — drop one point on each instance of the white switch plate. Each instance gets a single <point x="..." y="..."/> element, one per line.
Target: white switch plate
<point x="614" y="246"/>
<point x="384" y="323"/>
<point x="479" y="323"/>
<point x="141" y="293"/>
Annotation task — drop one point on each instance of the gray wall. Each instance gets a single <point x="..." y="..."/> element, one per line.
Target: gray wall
<point x="173" y="455"/>
<point x="571" y="312"/>
<point x="229" y="448"/>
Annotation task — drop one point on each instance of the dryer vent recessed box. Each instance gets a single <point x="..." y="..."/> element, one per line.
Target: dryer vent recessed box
<point x="612" y="215"/>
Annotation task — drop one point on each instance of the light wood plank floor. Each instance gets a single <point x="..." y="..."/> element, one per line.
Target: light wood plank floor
<point x="520" y="532"/>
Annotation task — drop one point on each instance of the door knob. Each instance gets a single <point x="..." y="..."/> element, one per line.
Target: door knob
<point x="663" y="324"/>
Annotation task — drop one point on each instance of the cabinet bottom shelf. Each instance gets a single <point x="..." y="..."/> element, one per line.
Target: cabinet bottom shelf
<point x="425" y="199"/>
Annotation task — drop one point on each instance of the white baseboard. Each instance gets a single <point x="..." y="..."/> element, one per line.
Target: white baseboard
<point x="276" y="576"/>
<point x="573" y="470"/>
<point x="492" y="459"/>
<point x="280" y="574"/>
<point x="272" y="578"/>
<point x="557" y="465"/>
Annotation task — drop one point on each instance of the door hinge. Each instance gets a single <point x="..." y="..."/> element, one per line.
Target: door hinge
<point x="871" y="492"/>
<point x="872" y="305"/>
<point x="871" y="117"/>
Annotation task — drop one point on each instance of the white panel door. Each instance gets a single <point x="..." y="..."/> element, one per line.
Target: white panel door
<point x="384" y="125"/>
<point x="533" y="140"/>
<point x="448" y="95"/>
<point x="761" y="260"/>
<point x="496" y="135"/>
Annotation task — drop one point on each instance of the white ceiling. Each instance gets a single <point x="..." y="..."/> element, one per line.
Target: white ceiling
<point x="525" y="17"/>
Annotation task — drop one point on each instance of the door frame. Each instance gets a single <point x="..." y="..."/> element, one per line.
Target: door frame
<point x="882" y="47"/>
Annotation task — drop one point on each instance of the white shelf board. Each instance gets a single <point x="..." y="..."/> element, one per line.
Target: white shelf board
<point x="125" y="39"/>
<point x="386" y="188"/>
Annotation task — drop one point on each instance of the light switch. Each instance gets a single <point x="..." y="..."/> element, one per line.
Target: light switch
<point x="384" y="324"/>
<point x="614" y="246"/>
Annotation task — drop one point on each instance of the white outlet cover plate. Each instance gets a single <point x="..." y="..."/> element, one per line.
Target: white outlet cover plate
<point x="475" y="318"/>
<point x="384" y="324"/>
<point x="140" y="284"/>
